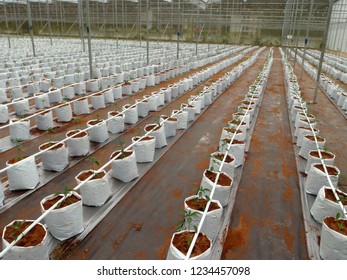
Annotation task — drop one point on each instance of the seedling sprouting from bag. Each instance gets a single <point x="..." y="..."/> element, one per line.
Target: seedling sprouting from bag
<point x="65" y="192"/>
<point x="121" y="144"/>
<point x="94" y="161"/>
<point x="19" y="147"/>
<point x="16" y="226"/>
<point x="202" y="193"/>
<point x="338" y="217"/>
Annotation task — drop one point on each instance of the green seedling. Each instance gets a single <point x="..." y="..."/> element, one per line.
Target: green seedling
<point x="188" y="218"/>
<point x="202" y="193"/>
<point x="94" y="161"/>
<point x="326" y="148"/>
<point x="65" y="192"/>
<point x="19" y="147"/>
<point x="121" y="144"/>
<point x="17" y="225"/>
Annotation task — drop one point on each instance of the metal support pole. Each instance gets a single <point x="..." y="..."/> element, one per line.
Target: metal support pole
<point x="123" y="18"/>
<point x="8" y="34"/>
<point x="80" y="18"/>
<point x="298" y="29"/>
<point x="171" y="21"/>
<point x="325" y="36"/>
<point x="197" y="29"/>
<point x="40" y="14"/>
<point x="209" y="29"/>
<point x="104" y="13"/>
<point x="89" y="41"/>
<point x="178" y="29"/>
<point x="220" y="24"/>
<point x="15" y="16"/>
<point x="31" y="27"/>
<point x="49" y="22"/>
<point x="306" y="39"/>
<point x="147" y="44"/>
<point x="158" y="22"/>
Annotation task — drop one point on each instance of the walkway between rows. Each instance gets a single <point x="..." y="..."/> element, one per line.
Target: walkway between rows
<point x="267" y="222"/>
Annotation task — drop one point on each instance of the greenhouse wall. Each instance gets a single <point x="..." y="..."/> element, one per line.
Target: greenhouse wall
<point x="337" y="37"/>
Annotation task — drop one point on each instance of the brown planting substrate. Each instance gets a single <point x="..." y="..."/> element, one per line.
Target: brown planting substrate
<point x="79" y="135"/>
<point x="199" y="204"/>
<point x="220" y="157"/>
<point x="201" y="245"/>
<point x="85" y="175"/>
<point x="333" y="224"/>
<point x="331" y="170"/>
<point x="66" y="202"/>
<point x="324" y="155"/>
<point x="330" y="195"/>
<point x="223" y="180"/>
<point x="49" y="144"/>
<point x="32" y="238"/>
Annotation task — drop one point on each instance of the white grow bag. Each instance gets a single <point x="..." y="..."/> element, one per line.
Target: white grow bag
<point x="212" y="222"/>
<point x="55" y="96"/>
<point x="98" y="133"/>
<point x="64" y="112"/>
<point x="98" y="101"/>
<point x="116" y="124"/>
<point x="20" y="130"/>
<point x="182" y="119"/>
<point x="81" y="106"/>
<point x="44" y="121"/>
<point x="144" y="149"/>
<point x="95" y="192"/>
<point x="236" y="149"/>
<point x="333" y="245"/>
<point x="175" y="254"/>
<point x="68" y="92"/>
<point x="221" y="193"/>
<point x="170" y="126"/>
<point x="323" y="207"/>
<point x="3" y="114"/>
<point x="124" y="169"/>
<point x="23" y="175"/>
<point x="302" y="131"/>
<point x="142" y="107"/>
<point x="65" y="222"/>
<point x="54" y="159"/>
<point x="21" y="106"/>
<point x="316" y="179"/>
<point x="309" y="145"/>
<point x="41" y="101"/>
<point x="37" y="252"/>
<point x="228" y="167"/>
<point x="158" y="133"/>
<point x="77" y="146"/>
<point x="130" y="115"/>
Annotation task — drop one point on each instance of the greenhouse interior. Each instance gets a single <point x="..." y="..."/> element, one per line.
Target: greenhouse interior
<point x="188" y="109"/>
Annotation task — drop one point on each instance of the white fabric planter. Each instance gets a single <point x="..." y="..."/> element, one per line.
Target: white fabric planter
<point x="191" y="112"/>
<point x="98" y="101"/>
<point x="167" y="94"/>
<point x="303" y="123"/>
<point x="33" y="88"/>
<point x="342" y="99"/>
<point x="124" y="169"/>
<point x="237" y="149"/>
<point x="78" y="145"/>
<point x="143" y="82"/>
<point x="68" y="92"/>
<point x="64" y="112"/>
<point x="152" y="99"/>
<point x="130" y="115"/>
<point x="81" y="106"/>
<point x="80" y="89"/>
<point x="303" y="131"/>
<point x="313" y="157"/>
<point x="37" y="252"/>
<point x="126" y="89"/>
<point x="44" y="121"/>
<point x="207" y="98"/>
<point x="108" y="95"/>
<point x="142" y="107"/>
<point x="3" y="96"/>
<point x="23" y="175"/>
<point x="333" y="245"/>
<point x="182" y="119"/>
<point x="135" y="86"/>
<point x="144" y="149"/>
<point x="55" y="96"/>
<point x="95" y="192"/>
<point x="197" y="105"/>
<point x="55" y="159"/>
<point x="3" y="114"/>
<point x="93" y="86"/>
<point x="20" y="130"/>
<point x="160" y="98"/>
<point x="300" y="117"/>
<point x="158" y="133"/>
<point x="316" y="178"/>
<point x="116" y="124"/>
<point x="175" y="254"/>
<point x="97" y="132"/>
<point x="65" y="222"/>
<point x="323" y="207"/>
<point x="294" y="111"/>
<point x="16" y="93"/>
<point x="309" y="145"/>
<point x="170" y="126"/>
<point x="221" y="193"/>
<point x="117" y="92"/>
<point x="228" y="165"/>
<point x="45" y="85"/>
<point x="212" y="222"/>
<point x="150" y="81"/>
<point x="21" y="106"/>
